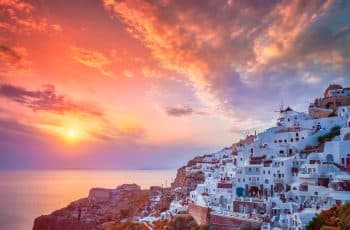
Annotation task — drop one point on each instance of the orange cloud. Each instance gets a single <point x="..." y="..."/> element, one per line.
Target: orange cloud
<point x="193" y="38"/>
<point x="22" y="16"/>
<point x="13" y="58"/>
<point x="223" y="48"/>
<point x="286" y="23"/>
<point x="91" y="58"/>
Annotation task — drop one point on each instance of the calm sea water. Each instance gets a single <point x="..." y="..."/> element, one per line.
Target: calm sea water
<point x="25" y="195"/>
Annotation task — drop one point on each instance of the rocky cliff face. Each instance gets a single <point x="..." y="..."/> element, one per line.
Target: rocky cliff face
<point x="118" y="208"/>
<point x="186" y="179"/>
<point x="111" y="206"/>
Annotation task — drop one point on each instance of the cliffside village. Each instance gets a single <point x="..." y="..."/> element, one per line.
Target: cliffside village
<point x="280" y="178"/>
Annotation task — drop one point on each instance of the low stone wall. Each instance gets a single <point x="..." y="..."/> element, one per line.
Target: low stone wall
<point x="229" y="223"/>
<point x="199" y="213"/>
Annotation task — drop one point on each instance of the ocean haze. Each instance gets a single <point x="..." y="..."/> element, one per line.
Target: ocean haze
<point x="26" y="194"/>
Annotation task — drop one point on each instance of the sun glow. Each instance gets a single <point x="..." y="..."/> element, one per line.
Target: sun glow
<point x="72" y="134"/>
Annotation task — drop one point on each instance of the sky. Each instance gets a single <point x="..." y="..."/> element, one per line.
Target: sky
<point x="135" y="84"/>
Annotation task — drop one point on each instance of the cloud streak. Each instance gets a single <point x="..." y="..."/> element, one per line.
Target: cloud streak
<point x="183" y="110"/>
<point x="92" y="58"/>
<point x="44" y="100"/>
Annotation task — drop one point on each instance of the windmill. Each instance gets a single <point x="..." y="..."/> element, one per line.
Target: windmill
<point x="281" y="108"/>
<point x="280" y="111"/>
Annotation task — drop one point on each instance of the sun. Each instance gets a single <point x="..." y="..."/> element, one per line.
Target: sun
<point x="72" y="134"/>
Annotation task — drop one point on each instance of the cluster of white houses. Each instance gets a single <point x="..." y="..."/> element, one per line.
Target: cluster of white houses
<point x="284" y="176"/>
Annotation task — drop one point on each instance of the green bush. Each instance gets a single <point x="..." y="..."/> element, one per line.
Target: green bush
<point x="335" y="131"/>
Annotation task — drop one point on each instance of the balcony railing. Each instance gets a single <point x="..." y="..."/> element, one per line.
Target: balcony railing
<point x="278" y="180"/>
<point x="255" y="183"/>
<point x="307" y="175"/>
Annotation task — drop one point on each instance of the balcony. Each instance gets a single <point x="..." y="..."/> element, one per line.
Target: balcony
<point x="278" y="180"/>
<point x="254" y="183"/>
<point x="307" y="175"/>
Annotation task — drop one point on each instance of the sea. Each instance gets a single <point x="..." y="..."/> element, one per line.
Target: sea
<point x="25" y="195"/>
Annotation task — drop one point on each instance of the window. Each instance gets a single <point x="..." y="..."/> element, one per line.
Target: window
<point x="256" y="169"/>
<point x="297" y="134"/>
<point x="291" y="140"/>
<point x="239" y="180"/>
<point x="263" y="171"/>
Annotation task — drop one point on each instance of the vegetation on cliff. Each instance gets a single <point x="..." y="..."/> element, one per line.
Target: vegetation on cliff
<point x="335" y="131"/>
<point x="338" y="217"/>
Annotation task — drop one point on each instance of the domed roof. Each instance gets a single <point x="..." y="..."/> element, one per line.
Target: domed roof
<point x="331" y="87"/>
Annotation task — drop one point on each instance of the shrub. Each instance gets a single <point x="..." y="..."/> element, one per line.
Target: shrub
<point x="335" y="131"/>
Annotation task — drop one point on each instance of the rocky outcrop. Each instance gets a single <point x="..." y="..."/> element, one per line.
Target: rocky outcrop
<point x="113" y="206"/>
<point x="188" y="180"/>
<point x="56" y="222"/>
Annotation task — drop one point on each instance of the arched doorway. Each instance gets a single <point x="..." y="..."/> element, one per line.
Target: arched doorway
<point x="279" y="187"/>
<point x="330" y="105"/>
<point x="253" y="191"/>
<point x="239" y="191"/>
<point x="267" y="192"/>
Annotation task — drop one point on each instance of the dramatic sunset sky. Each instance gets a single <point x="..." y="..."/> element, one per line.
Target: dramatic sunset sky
<point x="150" y="84"/>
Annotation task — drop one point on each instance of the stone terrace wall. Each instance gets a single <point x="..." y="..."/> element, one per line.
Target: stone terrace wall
<point x="228" y="223"/>
<point x="199" y="213"/>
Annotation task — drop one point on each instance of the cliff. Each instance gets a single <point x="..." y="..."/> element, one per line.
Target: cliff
<point x="118" y="208"/>
<point x="106" y="209"/>
<point x="187" y="180"/>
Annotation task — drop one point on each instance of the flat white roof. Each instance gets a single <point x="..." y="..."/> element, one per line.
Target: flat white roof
<point x="340" y="195"/>
<point x="343" y="177"/>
